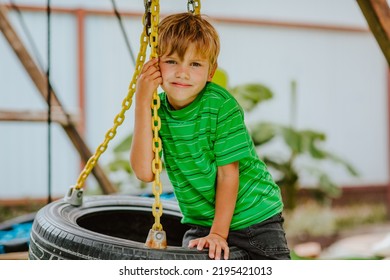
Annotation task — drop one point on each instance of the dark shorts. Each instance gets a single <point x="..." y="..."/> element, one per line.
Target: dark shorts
<point x="262" y="241"/>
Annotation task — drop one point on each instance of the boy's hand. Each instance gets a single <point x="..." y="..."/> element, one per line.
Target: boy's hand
<point x="215" y="243"/>
<point x="148" y="80"/>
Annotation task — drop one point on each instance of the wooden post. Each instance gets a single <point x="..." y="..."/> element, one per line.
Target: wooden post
<point x="40" y="81"/>
<point x="37" y="116"/>
<point x="377" y="14"/>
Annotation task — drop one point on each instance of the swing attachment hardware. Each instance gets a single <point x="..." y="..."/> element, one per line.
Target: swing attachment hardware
<point x="74" y="196"/>
<point x="157" y="239"/>
<point x="193" y="6"/>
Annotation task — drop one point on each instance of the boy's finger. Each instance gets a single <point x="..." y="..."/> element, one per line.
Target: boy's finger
<point x="193" y="243"/>
<point x="218" y="252"/>
<point x="201" y="244"/>
<point x="153" y="61"/>
<point x="150" y="63"/>
<point x="226" y="253"/>
<point x="212" y="250"/>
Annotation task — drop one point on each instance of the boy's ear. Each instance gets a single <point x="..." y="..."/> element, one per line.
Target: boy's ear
<point x="212" y="72"/>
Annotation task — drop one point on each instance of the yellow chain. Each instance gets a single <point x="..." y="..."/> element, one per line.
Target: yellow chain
<point x="126" y="103"/>
<point x="197" y="7"/>
<point x="157" y="208"/>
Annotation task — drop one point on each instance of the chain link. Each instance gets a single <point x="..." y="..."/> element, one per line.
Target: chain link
<point x="157" y="207"/>
<point x="126" y="104"/>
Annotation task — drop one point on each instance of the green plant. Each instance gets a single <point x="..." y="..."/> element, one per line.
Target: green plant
<point x="299" y="143"/>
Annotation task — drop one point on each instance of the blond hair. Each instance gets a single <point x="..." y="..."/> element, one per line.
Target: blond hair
<point x="177" y="31"/>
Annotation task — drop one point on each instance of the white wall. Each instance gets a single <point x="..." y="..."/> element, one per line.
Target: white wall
<point x="341" y="76"/>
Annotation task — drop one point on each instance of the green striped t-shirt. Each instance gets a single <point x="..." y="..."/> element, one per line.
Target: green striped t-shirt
<point x="208" y="133"/>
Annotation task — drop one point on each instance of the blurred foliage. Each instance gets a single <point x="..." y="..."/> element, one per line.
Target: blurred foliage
<point x="300" y="143"/>
<point x="119" y="167"/>
<point x="312" y="220"/>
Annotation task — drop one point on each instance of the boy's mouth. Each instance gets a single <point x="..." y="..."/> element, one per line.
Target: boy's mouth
<point x="182" y="85"/>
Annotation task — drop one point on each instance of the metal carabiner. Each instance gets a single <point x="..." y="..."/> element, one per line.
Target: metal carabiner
<point x="147" y="17"/>
<point x="191" y="6"/>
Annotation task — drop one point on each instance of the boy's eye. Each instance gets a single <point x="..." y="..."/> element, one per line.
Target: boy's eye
<point x="196" y="64"/>
<point x="170" y="61"/>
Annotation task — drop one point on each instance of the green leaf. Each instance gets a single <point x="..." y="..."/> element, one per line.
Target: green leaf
<point x="124" y="145"/>
<point x="352" y="171"/>
<point x="120" y="164"/>
<point x="309" y="143"/>
<point x="262" y="132"/>
<point x="328" y="186"/>
<point x="250" y="95"/>
<point x="292" y="138"/>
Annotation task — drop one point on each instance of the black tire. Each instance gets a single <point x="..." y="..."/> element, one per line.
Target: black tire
<point x="109" y="227"/>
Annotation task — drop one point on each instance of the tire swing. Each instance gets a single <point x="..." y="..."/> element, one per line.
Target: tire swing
<point x="114" y="227"/>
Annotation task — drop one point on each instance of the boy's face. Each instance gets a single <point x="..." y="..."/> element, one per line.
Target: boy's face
<point x="184" y="78"/>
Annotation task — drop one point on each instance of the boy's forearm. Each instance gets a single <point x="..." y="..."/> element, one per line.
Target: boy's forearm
<point x="141" y="153"/>
<point x="225" y="201"/>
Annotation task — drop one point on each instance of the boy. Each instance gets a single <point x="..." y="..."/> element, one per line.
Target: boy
<point x="224" y="191"/>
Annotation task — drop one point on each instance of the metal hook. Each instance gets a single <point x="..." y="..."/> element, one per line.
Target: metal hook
<point x="191" y="6"/>
<point x="147" y="17"/>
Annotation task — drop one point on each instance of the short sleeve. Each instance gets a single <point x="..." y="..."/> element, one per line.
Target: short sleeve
<point x="232" y="139"/>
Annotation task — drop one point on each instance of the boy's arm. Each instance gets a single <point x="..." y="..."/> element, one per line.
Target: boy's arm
<point x="225" y="203"/>
<point x="141" y="153"/>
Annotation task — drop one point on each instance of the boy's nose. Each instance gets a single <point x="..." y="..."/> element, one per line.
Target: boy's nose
<point x="182" y="73"/>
